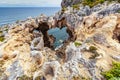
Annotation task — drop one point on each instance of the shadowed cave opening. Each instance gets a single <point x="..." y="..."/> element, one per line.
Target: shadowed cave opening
<point x="60" y="35"/>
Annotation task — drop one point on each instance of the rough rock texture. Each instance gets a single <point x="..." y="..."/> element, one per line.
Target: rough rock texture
<point x="94" y="43"/>
<point x="75" y="17"/>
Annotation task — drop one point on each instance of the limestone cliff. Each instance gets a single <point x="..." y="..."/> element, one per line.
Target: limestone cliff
<point x="27" y="52"/>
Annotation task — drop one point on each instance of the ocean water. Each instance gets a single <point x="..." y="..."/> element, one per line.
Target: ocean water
<point x="11" y="15"/>
<point x="60" y="35"/>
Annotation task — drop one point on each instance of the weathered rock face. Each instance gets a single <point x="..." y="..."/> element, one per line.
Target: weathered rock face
<point x="75" y="17"/>
<point x="94" y="42"/>
<point x="102" y="39"/>
<point x="66" y="3"/>
<point x="24" y="50"/>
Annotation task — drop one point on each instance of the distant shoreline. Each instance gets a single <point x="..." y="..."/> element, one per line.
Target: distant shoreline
<point x="10" y="15"/>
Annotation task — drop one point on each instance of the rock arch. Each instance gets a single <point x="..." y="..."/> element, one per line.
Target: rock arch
<point x="44" y="26"/>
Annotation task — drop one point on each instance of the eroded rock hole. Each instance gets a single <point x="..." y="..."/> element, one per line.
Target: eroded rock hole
<point x="116" y="33"/>
<point x="55" y="35"/>
<point x="60" y="35"/>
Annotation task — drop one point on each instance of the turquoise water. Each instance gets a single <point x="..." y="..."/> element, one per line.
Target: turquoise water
<point x="60" y="35"/>
<point x="12" y="14"/>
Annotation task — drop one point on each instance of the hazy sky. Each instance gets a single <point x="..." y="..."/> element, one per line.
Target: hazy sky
<point x="30" y="3"/>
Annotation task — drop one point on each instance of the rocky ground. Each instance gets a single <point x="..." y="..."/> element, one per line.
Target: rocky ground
<point x="27" y="53"/>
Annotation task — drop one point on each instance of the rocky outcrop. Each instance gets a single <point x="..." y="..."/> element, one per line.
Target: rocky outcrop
<point x="94" y="43"/>
<point x="75" y="17"/>
<point x="66" y="3"/>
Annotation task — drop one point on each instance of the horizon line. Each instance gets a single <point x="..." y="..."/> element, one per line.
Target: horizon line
<point x="28" y="6"/>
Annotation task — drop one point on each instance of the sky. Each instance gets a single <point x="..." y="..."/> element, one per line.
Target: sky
<point x="30" y="3"/>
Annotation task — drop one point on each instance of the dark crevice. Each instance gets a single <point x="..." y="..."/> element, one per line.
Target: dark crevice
<point x="116" y="33"/>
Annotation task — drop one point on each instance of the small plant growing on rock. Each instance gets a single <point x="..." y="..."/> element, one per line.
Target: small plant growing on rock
<point x="0" y="32"/>
<point x="1" y="70"/>
<point x="76" y="6"/>
<point x="38" y="78"/>
<point x="118" y="11"/>
<point x="113" y="73"/>
<point x="2" y="38"/>
<point x="64" y="9"/>
<point x="24" y="77"/>
<point x="92" y="49"/>
<point x="94" y="56"/>
<point x="6" y="29"/>
<point x="77" y="44"/>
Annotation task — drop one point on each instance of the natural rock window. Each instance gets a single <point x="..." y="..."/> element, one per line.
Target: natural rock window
<point x="60" y="35"/>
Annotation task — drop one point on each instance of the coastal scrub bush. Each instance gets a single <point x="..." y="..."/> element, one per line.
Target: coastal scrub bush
<point x="113" y="73"/>
<point x="76" y="6"/>
<point x="64" y="9"/>
<point x="77" y="44"/>
<point x="24" y="77"/>
<point x="1" y="71"/>
<point x="6" y="29"/>
<point x="92" y="48"/>
<point x="0" y="32"/>
<point x="114" y="78"/>
<point x="118" y="11"/>
<point x="38" y="78"/>
<point x="92" y="3"/>
<point x="2" y="38"/>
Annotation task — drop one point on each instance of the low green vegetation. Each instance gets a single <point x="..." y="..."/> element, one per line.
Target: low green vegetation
<point x="2" y="38"/>
<point x="64" y="9"/>
<point x="80" y="78"/>
<point x="92" y="3"/>
<point x="113" y="73"/>
<point x="118" y="11"/>
<point x="76" y="6"/>
<point x="1" y="32"/>
<point x="77" y="44"/>
<point x="92" y="49"/>
<point x="38" y="78"/>
<point x="94" y="56"/>
<point x="24" y="77"/>
<point x="6" y="29"/>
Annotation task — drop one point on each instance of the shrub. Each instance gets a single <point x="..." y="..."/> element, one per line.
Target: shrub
<point x="114" y="78"/>
<point x="92" y="3"/>
<point x="1" y="70"/>
<point x="0" y="32"/>
<point x="76" y="6"/>
<point x="38" y="78"/>
<point x="118" y="11"/>
<point x="6" y="29"/>
<point x="92" y="48"/>
<point x="24" y="77"/>
<point x="113" y="73"/>
<point x="64" y="9"/>
<point x="77" y="44"/>
<point x="2" y="38"/>
<point x="94" y="56"/>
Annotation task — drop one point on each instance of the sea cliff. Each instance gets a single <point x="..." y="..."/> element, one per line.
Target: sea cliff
<point x="27" y="51"/>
